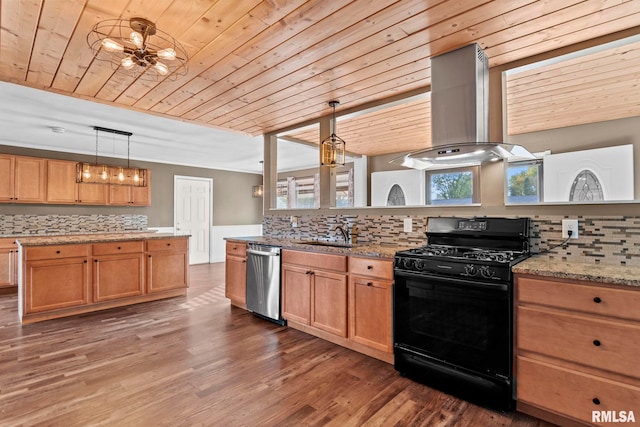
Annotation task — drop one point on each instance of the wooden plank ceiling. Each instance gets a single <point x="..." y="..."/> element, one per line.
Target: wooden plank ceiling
<point x="259" y="66"/>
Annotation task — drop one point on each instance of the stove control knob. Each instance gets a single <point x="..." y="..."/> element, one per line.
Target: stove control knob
<point x="486" y="272"/>
<point x="470" y="270"/>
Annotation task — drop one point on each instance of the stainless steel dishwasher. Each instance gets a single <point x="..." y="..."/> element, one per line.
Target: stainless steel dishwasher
<point x="263" y="282"/>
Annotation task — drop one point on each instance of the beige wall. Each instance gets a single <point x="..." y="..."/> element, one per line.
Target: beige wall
<point x="233" y="203"/>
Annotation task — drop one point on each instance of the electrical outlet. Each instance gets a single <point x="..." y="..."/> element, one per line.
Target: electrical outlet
<point x="294" y="221"/>
<point x="408" y="225"/>
<point x="570" y="224"/>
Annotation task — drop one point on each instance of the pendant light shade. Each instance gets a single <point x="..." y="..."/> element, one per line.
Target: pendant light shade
<point x="95" y="173"/>
<point x="332" y="149"/>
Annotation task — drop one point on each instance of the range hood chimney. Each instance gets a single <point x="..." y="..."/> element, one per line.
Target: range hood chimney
<point x="460" y="115"/>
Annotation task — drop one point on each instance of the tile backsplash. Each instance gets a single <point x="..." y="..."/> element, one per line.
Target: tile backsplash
<point x="36" y="225"/>
<point x="613" y="240"/>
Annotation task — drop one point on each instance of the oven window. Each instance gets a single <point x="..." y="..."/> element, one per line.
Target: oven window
<point x="456" y="324"/>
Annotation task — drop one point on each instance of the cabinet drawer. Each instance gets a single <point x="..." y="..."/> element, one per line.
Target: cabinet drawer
<point x="382" y="269"/>
<point x="607" y="345"/>
<point x="620" y="303"/>
<point x="56" y="251"/>
<point x="236" y="249"/>
<point x="167" y="244"/>
<point x="112" y="248"/>
<point x="315" y="260"/>
<point x="8" y="243"/>
<point x="570" y="392"/>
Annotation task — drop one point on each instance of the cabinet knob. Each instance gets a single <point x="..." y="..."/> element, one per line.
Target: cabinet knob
<point x="168" y="244"/>
<point x="57" y="252"/>
<point x="85" y="261"/>
<point x="95" y="260"/>
<point x="596" y="401"/>
<point x="369" y="267"/>
<point x="369" y="283"/>
<point x="119" y="248"/>
<point x="597" y="343"/>
<point x="597" y="300"/>
<point x="149" y="256"/>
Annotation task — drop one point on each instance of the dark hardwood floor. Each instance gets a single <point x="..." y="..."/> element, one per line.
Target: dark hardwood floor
<point x="196" y="361"/>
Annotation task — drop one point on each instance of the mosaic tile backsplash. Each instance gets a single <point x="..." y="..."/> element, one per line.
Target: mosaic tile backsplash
<point x="37" y="225"/>
<point x="612" y="240"/>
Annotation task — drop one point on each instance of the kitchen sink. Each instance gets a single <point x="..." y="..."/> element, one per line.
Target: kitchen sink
<point x="326" y="243"/>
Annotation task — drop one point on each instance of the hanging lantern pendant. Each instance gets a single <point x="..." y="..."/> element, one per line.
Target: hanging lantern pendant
<point x="332" y="149"/>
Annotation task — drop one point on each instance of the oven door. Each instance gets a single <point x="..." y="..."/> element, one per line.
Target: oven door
<point x="456" y="321"/>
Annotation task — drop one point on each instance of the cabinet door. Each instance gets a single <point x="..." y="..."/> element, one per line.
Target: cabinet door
<point x="61" y="182"/>
<point x="6" y="267"/>
<point x="6" y="177"/>
<point x="119" y="195"/>
<point x="54" y="284"/>
<point x="329" y="302"/>
<point x="236" y="280"/>
<point x="296" y="293"/>
<point x="167" y="270"/>
<point x="29" y="179"/>
<point x="117" y="276"/>
<point x="370" y="312"/>
<point x="93" y="194"/>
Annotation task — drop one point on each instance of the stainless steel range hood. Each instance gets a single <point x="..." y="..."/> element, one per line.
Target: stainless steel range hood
<point x="460" y="115"/>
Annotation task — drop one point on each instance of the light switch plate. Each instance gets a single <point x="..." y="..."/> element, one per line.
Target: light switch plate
<point x="408" y="225"/>
<point x="570" y="224"/>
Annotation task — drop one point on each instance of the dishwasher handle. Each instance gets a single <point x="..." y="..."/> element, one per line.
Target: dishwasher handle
<point x="255" y="252"/>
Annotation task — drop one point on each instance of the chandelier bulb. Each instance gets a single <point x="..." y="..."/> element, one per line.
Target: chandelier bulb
<point x="167" y="53"/>
<point x="128" y="63"/>
<point x="136" y="176"/>
<point x="120" y="175"/>
<point x="137" y="39"/>
<point x="161" y="68"/>
<point x="104" y="174"/>
<point x="112" y="46"/>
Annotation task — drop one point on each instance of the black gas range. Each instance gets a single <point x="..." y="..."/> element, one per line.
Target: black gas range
<point x="453" y="307"/>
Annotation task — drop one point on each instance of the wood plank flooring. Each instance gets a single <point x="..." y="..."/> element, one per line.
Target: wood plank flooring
<point x="197" y="361"/>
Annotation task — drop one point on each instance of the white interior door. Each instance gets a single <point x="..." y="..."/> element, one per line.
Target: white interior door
<point x="192" y="214"/>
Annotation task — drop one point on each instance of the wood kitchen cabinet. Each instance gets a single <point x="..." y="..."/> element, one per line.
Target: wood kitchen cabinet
<point x="118" y="270"/>
<point x="235" y="277"/>
<point x="577" y="348"/>
<point x="370" y="310"/>
<point x="167" y="264"/>
<point x="22" y="179"/>
<point x="125" y="195"/>
<point x="314" y="291"/>
<point x="62" y="187"/>
<point x="55" y="277"/>
<point x="8" y="263"/>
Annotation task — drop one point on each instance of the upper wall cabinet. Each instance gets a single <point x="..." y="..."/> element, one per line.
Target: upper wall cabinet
<point x="37" y="180"/>
<point x="22" y="179"/>
<point x="62" y="187"/>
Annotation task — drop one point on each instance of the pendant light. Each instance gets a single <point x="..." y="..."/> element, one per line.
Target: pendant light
<point x="258" y="190"/>
<point x="332" y="149"/>
<point x="115" y="175"/>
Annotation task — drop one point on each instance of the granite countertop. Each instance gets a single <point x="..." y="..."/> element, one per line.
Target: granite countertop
<point x="600" y="273"/>
<point x="67" y="239"/>
<point x="385" y="251"/>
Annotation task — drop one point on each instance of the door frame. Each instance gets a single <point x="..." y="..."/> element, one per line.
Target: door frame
<point x="210" y="195"/>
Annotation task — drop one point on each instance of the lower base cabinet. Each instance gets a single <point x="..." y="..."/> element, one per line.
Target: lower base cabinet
<point x="118" y="270"/>
<point x="167" y="264"/>
<point x="235" y="278"/>
<point x="577" y="350"/>
<point x="8" y="264"/>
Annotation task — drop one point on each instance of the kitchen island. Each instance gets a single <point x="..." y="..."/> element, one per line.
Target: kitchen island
<point x="63" y="275"/>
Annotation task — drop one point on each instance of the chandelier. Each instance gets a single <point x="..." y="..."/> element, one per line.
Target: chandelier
<point x="105" y="174"/>
<point x="332" y="148"/>
<point x="137" y="47"/>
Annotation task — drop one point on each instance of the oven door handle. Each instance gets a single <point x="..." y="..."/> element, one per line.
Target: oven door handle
<point x="456" y="281"/>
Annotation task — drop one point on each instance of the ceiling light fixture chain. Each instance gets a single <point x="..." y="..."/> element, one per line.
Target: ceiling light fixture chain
<point x="332" y="148"/>
<point x="137" y="47"/>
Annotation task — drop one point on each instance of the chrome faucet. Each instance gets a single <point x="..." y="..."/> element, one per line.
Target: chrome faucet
<point x="344" y="232"/>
